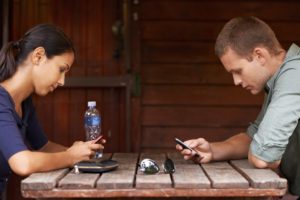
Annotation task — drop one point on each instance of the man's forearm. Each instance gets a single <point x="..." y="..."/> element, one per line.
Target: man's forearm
<point x="236" y="147"/>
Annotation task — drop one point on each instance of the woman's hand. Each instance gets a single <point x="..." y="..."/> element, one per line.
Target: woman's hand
<point x="80" y="151"/>
<point x="201" y="146"/>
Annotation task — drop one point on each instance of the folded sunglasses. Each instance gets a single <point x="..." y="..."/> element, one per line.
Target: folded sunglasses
<point x="149" y="166"/>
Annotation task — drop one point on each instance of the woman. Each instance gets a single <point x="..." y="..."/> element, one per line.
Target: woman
<point x="37" y="63"/>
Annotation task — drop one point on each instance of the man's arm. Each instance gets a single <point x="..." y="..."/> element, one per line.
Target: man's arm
<point x="236" y="147"/>
<point x="261" y="163"/>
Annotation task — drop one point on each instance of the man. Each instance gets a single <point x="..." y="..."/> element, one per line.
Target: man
<point x="250" y="51"/>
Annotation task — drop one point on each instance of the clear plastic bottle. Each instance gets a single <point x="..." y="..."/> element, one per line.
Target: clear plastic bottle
<point x="92" y="124"/>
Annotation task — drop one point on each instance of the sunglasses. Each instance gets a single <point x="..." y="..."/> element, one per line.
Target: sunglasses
<point x="148" y="166"/>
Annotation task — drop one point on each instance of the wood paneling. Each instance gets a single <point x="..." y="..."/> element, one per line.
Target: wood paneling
<point x="162" y="116"/>
<point x="219" y="10"/>
<point x="152" y="134"/>
<point x="201" y="73"/>
<point x="198" y="95"/>
<point x="88" y="23"/>
<point x="207" y="30"/>
<point x="184" y="86"/>
<point x="177" y="52"/>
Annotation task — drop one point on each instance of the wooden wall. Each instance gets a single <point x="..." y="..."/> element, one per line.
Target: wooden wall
<point x="185" y="91"/>
<point x="88" y="23"/>
<point x="89" y="26"/>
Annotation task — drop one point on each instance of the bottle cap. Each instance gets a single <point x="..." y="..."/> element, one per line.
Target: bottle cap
<point x="91" y="103"/>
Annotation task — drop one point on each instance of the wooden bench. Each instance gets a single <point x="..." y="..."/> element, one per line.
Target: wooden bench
<point x="220" y="179"/>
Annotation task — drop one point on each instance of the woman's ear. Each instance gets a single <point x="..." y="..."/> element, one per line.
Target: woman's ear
<point x="37" y="55"/>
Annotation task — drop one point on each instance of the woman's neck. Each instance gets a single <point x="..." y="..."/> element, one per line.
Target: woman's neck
<point x="19" y="86"/>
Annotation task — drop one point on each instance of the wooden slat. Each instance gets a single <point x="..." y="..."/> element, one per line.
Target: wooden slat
<point x="160" y="193"/>
<point x="191" y="10"/>
<point x="199" y="116"/>
<point x="207" y="30"/>
<point x="259" y="178"/>
<point x="198" y="95"/>
<point x="78" y="181"/>
<point x="155" y="181"/>
<point x="177" y="52"/>
<point x="123" y="176"/>
<point x="81" y="180"/>
<point x="181" y="52"/>
<point x="199" y="73"/>
<point x="167" y="134"/>
<point x="43" y="181"/>
<point x="159" y="180"/>
<point x="61" y="117"/>
<point x="222" y="175"/>
<point x="187" y="173"/>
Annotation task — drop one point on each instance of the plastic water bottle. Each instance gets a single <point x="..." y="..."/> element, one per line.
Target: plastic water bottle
<point x="92" y="124"/>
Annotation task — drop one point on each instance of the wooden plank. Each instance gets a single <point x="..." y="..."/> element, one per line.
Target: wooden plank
<point x="166" y="135"/>
<point x="159" y="180"/>
<point x="190" y="176"/>
<point x="219" y="10"/>
<point x="177" y="158"/>
<point x="123" y="176"/>
<point x="199" y="95"/>
<point x="222" y="175"/>
<point x="177" y="52"/>
<point x="259" y="178"/>
<point x="78" y="181"/>
<point x="119" y="180"/>
<point x="61" y="117"/>
<point x="187" y="173"/>
<point x="126" y="158"/>
<point x="206" y="30"/>
<point x="155" y="181"/>
<point x="181" y="52"/>
<point x="43" y="181"/>
<point x="81" y="180"/>
<point x="198" y="116"/>
<point x="198" y="73"/>
<point x="161" y="193"/>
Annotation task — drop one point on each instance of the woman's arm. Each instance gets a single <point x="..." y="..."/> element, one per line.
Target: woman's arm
<point x="27" y="162"/>
<point x="52" y="147"/>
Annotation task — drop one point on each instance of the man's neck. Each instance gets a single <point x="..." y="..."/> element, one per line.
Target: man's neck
<point x="277" y="62"/>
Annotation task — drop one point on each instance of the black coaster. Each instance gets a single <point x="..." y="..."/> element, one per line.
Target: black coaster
<point x="97" y="166"/>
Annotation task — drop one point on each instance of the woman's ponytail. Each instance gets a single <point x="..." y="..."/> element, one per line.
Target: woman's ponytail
<point x="8" y="65"/>
<point x="48" y="36"/>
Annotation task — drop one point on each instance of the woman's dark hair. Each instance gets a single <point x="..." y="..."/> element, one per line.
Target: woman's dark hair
<point x="48" y="36"/>
<point x="243" y="34"/>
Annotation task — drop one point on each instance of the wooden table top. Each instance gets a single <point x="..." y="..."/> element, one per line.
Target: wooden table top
<point x="220" y="179"/>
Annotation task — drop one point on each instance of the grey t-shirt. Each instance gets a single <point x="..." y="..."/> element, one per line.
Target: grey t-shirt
<point x="280" y="113"/>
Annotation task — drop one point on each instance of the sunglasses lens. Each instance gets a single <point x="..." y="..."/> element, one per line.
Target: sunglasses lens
<point x="169" y="166"/>
<point x="149" y="166"/>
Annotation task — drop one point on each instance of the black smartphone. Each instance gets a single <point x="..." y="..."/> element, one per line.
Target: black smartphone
<point x="184" y="146"/>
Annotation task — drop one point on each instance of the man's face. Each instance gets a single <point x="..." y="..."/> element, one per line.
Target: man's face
<point x="250" y="74"/>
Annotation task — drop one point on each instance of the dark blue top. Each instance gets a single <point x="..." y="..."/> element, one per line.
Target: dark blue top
<point x="17" y="134"/>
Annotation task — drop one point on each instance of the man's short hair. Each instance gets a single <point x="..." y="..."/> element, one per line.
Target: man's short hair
<point x="243" y="34"/>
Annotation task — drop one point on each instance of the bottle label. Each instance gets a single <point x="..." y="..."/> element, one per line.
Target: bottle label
<point x="92" y="121"/>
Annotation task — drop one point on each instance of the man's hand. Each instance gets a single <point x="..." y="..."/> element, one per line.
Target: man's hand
<point x="201" y="146"/>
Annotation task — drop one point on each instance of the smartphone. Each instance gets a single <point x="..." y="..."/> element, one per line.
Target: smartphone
<point x="184" y="146"/>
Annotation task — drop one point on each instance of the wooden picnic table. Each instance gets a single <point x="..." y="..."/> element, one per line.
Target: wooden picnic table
<point x="235" y="178"/>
